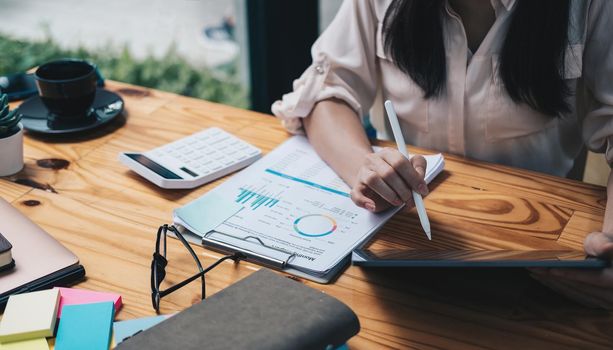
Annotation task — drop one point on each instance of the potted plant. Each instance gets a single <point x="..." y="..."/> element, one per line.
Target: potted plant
<point x="11" y="139"/>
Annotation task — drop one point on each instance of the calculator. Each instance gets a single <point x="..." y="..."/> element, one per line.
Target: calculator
<point x="194" y="160"/>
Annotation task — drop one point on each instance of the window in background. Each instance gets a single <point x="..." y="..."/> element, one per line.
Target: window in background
<point x="191" y="47"/>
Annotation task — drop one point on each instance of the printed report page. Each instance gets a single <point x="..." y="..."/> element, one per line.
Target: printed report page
<point x="293" y="202"/>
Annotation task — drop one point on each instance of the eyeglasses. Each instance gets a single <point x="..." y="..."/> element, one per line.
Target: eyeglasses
<point x="159" y="262"/>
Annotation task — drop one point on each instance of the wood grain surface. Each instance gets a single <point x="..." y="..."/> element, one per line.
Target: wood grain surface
<point x="78" y="191"/>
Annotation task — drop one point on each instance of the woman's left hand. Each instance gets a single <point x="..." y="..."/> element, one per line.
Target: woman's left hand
<point x="590" y="287"/>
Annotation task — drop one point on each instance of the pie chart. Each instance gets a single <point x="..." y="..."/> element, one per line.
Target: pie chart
<point x="314" y="225"/>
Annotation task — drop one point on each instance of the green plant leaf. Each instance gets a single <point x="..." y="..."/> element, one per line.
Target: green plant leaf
<point x="170" y="73"/>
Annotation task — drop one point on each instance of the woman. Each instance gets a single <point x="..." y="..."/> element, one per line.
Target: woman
<point x="518" y="82"/>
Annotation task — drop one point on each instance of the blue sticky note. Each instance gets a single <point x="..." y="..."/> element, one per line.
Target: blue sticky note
<point x="85" y="326"/>
<point x="207" y="212"/>
<point x="126" y="329"/>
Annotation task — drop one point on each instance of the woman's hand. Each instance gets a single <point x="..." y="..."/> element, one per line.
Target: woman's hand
<point x="386" y="179"/>
<point x="589" y="287"/>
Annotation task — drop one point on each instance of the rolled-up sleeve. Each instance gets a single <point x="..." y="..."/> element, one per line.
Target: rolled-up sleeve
<point x="343" y="67"/>
<point x="598" y="79"/>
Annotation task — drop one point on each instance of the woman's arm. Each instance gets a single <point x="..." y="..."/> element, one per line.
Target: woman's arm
<point x="378" y="180"/>
<point x="601" y="243"/>
<point x="337" y="135"/>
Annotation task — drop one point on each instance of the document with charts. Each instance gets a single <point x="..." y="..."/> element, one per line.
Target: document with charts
<point x="290" y="202"/>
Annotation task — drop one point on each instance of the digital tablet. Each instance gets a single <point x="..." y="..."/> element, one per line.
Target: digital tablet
<point x="475" y="258"/>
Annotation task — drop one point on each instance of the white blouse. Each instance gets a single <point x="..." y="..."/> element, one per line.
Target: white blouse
<point x="475" y="118"/>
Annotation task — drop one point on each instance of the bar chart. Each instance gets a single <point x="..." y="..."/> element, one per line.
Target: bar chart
<point x="256" y="198"/>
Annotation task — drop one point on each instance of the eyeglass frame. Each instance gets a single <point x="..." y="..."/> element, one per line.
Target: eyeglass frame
<point x="156" y="293"/>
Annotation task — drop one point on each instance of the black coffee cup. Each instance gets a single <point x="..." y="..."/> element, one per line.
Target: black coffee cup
<point x="67" y="87"/>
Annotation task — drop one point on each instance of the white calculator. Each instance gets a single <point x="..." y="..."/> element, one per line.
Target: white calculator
<point x="194" y="160"/>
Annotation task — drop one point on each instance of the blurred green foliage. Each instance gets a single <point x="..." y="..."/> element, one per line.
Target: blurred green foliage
<point x="170" y="73"/>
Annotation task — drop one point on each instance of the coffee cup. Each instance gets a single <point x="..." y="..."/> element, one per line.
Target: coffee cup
<point x="67" y="88"/>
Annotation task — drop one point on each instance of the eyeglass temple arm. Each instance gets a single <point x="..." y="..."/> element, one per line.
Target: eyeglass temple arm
<point x="174" y="230"/>
<point x="235" y="257"/>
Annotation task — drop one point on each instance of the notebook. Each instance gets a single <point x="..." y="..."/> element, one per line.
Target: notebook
<point x="262" y="311"/>
<point x="6" y="258"/>
<point x="31" y="246"/>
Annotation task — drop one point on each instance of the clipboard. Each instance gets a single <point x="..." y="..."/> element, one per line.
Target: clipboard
<point x="263" y="255"/>
<point x="289" y="211"/>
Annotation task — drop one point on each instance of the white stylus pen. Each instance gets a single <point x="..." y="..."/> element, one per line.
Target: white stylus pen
<point x="419" y="202"/>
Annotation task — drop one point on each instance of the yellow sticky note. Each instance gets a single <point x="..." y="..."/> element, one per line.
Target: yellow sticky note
<point x="30" y="344"/>
<point x="29" y="316"/>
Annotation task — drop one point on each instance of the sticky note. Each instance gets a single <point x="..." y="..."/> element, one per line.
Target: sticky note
<point x="29" y="316"/>
<point x="85" y="326"/>
<point x="207" y="212"/>
<point x="73" y="296"/>
<point x="126" y="329"/>
<point x="30" y="344"/>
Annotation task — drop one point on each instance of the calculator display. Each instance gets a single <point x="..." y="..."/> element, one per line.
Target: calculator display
<point x="153" y="166"/>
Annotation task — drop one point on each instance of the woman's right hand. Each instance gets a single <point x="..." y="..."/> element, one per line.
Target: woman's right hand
<point x="386" y="178"/>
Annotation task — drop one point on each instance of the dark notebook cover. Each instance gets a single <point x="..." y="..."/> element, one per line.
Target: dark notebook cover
<point x="6" y="260"/>
<point x="262" y="311"/>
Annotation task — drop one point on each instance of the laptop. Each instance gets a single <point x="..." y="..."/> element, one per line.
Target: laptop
<point x="41" y="262"/>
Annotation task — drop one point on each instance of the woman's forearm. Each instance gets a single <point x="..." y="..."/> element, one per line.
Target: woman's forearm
<point x="607" y="225"/>
<point x="336" y="133"/>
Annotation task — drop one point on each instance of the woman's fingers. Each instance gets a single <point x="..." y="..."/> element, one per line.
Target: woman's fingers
<point x="409" y="205"/>
<point x="375" y="182"/>
<point x="388" y="178"/>
<point x="361" y="200"/>
<point x="405" y="170"/>
<point x="390" y="175"/>
<point x="420" y="165"/>
<point x="366" y="198"/>
<point x="599" y="244"/>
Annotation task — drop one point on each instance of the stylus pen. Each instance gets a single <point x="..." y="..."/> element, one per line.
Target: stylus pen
<point x="419" y="202"/>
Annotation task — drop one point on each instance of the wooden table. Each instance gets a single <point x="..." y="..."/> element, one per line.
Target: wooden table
<point x="78" y="191"/>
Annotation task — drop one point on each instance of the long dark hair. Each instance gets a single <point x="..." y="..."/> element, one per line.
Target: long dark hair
<point x="531" y="59"/>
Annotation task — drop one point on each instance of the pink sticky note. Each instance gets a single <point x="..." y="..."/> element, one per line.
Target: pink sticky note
<point x="72" y="296"/>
